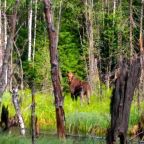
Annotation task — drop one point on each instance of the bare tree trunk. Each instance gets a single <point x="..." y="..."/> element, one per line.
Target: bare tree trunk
<point x="30" y="31"/>
<point x="59" y="99"/>
<point x="35" y="25"/>
<point x="33" y="113"/>
<point x="141" y="27"/>
<point x="1" y="48"/>
<point x="114" y="7"/>
<point x="21" y="67"/>
<point x="58" y="24"/>
<point x="57" y="31"/>
<point x="93" y="70"/>
<point x="17" y="109"/>
<point x="131" y="28"/>
<point x="8" y="49"/>
<point x="126" y="82"/>
<point x="5" y="37"/>
<point x="141" y="85"/>
<point x="114" y="10"/>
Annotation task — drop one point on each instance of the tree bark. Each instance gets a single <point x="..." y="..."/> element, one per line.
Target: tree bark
<point x="127" y="81"/>
<point x="8" y="49"/>
<point x="33" y="113"/>
<point x="131" y="28"/>
<point x="35" y="26"/>
<point x="141" y="85"/>
<point x="30" y="31"/>
<point x="58" y="23"/>
<point x="1" y="48"/>
<point x="93" y="70"/>
<point x="5" y="37"/>
<point x="17" y="109"/>
<point x="59" y="99"/>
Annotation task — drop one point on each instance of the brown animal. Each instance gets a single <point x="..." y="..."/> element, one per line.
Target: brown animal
<point x="78" y="88"/>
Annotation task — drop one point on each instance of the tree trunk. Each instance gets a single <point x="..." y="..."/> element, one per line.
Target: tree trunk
<point x="30" y="31"/>
<point x="126" y="82"/>
<point x="17" y="109"/>
<point x="58" y="24"/>
<point x="59" y="99"/>
<point x="33" y="113"/>
<point x="93" y="70"/>
<point x="1" y="48"/>
<point x="141" y="85"/>
<point x="35" y="25"/>
<point x="5" y="37"/>
<point x="131" y="28"/>
<point x="8" y="50"/>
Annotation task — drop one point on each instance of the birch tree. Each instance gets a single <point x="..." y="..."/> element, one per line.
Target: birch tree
<point x="5" y="36"/>
<point x="35" y="26"/>
<point x="17" y="109"/>
<point x="8" y="49"/>
<point x="30" y="31"/>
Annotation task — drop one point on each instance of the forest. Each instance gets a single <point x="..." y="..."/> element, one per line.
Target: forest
<point x="71" y="71"/>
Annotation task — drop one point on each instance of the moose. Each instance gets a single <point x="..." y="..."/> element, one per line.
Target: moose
<point x="78" y="88"/>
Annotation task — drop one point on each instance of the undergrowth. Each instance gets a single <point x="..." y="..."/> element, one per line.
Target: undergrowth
<point x="83" y="119"/>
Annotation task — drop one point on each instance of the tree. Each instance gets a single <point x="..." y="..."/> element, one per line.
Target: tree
<point x="92" y="63"/>
<point x="141" y="85"/>
<point x="35" y="26"/>
<point x="131" y="28"/>
<point x="1" y="49"/>
<point x="17" y="109"/>
<point x="30" y="31"/>
<point x="59" y="99"/>
<point x="8" y="49"/>
<point x="127" y="80"/>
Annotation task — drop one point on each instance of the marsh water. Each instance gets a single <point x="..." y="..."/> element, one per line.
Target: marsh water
<point x="51" y="138"/>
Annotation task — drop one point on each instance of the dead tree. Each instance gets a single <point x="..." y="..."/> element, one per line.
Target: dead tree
<point x="17" y="109"/>
<point x="8" y="49"/>
<point x="33" y="113"/>
<point x="55" y="70"/>
<point x="125" y="84"/>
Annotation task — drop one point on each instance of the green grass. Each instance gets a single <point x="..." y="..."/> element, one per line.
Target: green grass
<point x="13" y="139"/>
<point x="80" y="118"/>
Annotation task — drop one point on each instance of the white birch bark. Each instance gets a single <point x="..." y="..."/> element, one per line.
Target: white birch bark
<point x="30" y="31"/>
<point x="5" y="37"/>
<point x="35" y="25"/>
<point x="17" y="109"/>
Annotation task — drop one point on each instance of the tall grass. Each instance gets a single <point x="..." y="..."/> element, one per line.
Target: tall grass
<point x="80" y="118"/>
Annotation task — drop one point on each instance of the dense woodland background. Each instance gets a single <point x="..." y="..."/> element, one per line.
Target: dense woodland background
<point x="91" y="38"/>
<point x="92" y="35"/>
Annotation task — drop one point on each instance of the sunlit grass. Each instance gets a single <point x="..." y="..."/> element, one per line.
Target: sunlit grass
<point x="80" y="118"/>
